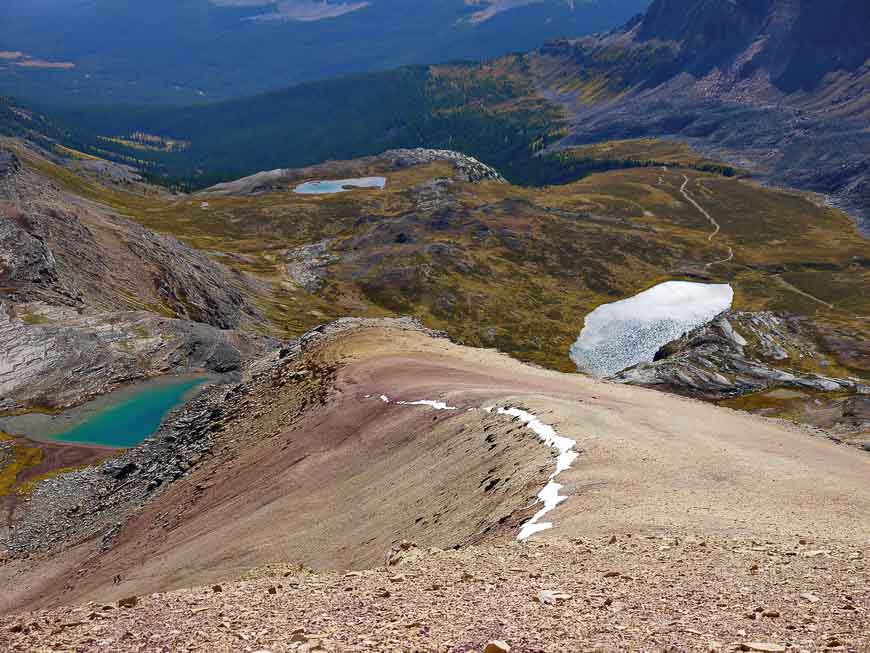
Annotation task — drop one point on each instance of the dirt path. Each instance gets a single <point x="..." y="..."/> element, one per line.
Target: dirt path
<point x="716" y="226"/>
<point x="786" y="284"/>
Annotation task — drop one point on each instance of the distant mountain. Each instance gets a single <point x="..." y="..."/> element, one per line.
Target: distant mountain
<point x="794" y="43"/>
<point x="779" y="86"/>
<point x="110" y="52"/>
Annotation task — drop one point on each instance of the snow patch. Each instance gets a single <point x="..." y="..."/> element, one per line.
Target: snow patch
<point x="437" y="405"/>
<point x="549" y="496"/>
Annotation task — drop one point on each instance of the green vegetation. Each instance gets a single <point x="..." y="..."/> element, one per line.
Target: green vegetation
<point x="489" y="110"/>
<point x="517" y="267"/>
<point x="14" y="459"/>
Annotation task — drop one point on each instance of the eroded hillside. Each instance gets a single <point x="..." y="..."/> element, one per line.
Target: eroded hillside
<point x="376" y="447"/>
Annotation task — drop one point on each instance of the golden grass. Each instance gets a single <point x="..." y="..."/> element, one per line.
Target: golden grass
<point x="23" y="458"/>
<point x="593" y="241"/>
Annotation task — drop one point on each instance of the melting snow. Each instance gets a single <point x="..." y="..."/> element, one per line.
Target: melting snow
<point x="437" y="405"/>
<point x="549" y="496"/>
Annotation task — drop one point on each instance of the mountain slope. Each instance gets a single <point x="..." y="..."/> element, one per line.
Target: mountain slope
<point x="83" y="288"/>
<point x="137" y="53"/>
<point x="776" y="85"/>
<point x="310" y="466"/>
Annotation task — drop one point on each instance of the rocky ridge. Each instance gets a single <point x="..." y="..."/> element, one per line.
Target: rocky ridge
<point x="68" y="508"/>
<point x="740" y="353"/>
<point x="466" y="168"/>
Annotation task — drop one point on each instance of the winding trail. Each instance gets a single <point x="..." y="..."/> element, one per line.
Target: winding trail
<point x="797" y="290"/>
<point x="717" y="228"/>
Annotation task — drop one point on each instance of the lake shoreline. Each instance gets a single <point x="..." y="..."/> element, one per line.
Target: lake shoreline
<point x="43" y="428"/>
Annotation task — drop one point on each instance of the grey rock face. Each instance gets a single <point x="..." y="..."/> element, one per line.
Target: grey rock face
<point x="62" y="358"/>
<point x="60" y="249"/>
<point x="90" y="300"/>
<point x="25" y="259"/>
<point x="737" y="353"/>
<point x="307" y="265"/>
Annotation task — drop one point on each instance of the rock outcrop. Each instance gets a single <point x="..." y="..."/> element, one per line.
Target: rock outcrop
<point x="90" y="300"/>
<point x="466" y="168"/>
<point x="738" y="353"/>
<point x="307" y="265"/>
<point x="755" y="356"/>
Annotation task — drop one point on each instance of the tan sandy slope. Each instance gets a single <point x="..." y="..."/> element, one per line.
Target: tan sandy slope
<point x="332" y="483"/>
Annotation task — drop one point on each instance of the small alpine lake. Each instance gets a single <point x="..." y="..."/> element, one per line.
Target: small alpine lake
<point x="120" y="419"/>
<point x="326" y="187"/>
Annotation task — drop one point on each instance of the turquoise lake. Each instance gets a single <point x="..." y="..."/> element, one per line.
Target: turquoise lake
<point x="133" y="418"/>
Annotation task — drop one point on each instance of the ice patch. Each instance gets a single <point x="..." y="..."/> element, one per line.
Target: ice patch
<point x="622" y="334"/>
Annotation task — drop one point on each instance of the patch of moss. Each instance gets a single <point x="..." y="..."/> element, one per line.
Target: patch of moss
<point x="23" y="458"/>
<point x="32" y="319"/>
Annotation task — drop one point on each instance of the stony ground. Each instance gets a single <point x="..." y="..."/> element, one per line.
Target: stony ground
<point x="653" y="592"/>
